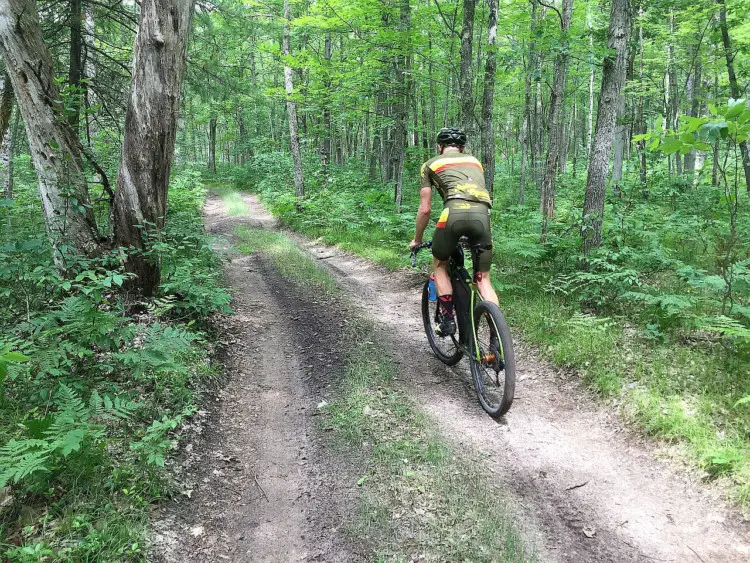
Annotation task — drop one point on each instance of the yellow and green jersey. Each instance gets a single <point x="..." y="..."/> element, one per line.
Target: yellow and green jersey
<point x="456" y="176"/>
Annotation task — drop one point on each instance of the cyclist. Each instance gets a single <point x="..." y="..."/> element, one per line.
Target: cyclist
<point x="459" y="178"/>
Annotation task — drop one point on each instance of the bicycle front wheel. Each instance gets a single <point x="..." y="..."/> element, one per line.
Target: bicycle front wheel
<point x="446" y="348"/>
<point x="493" y="363"/>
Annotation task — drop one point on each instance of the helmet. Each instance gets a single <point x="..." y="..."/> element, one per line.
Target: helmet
<point x="451" y="137"/>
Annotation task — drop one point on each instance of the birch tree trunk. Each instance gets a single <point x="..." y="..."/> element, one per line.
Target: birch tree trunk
<point x="733" y="86"/>
<point x="557" y="93"/>
<point x="54" y="146"/>
<point x="488" y="97"/>
<point x="613" y="78"/>
<point x="465" y="78"/>
<point x="693" y="95"/>
<point x="590" y="135"/>
<point x="291" y="106"/>
<point x="6" y="137"/>
<point x="159" y="58"/>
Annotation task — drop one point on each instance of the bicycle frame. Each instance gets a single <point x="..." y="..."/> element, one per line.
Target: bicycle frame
<point x="465" y="295"/>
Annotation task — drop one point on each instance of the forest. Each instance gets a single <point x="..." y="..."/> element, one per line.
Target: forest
<point x="614" y="139"/>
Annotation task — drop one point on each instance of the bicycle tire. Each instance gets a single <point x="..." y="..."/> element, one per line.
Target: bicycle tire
<point x="454" y="353"/>
<point x="495" y="396"/>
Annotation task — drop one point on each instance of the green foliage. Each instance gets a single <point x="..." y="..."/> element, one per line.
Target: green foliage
<point x="93" y="385"/>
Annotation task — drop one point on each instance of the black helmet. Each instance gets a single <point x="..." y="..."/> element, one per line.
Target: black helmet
<point x="451" y="137"/>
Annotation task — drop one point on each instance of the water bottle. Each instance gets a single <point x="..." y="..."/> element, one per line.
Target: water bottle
<point x="431" y="290"/>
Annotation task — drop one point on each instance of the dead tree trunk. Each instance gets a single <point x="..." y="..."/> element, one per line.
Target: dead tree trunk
<point x="555" y="105"/>
<point x="150" y="127"/>
<point x="291" y="106"/>
<point x="613" y="78"/>
<point x="54" y="146"/>
<point x="733" y="86"/>
<point x="488" y="97"/>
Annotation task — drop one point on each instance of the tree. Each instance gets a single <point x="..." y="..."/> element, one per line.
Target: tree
<point x="488" y="99"/>
<point x="291" y="105"/>
<point x="466" y="101"/>
<point x="55" y="148"/>
<point x="733" y="86"/>
<point x="613" y="78"/>
<point x="149" y="134"/>
<point x="557" y="94"/>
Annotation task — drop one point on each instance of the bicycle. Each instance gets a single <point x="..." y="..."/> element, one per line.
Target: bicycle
<point x="483" y="336"/>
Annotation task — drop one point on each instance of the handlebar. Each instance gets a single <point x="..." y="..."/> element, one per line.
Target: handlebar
<point x="416" y="249"/>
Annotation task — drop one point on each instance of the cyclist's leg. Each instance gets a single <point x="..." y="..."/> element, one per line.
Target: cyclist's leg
<point x="443" y="245"/>
<point x="442" y="277"/>
<point x="482" y="234"/>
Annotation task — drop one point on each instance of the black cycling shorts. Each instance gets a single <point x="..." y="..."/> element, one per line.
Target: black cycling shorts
<point x="463" y="218"/>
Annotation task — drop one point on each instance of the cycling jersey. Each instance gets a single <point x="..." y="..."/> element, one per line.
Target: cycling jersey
<point x="456" y="176"/>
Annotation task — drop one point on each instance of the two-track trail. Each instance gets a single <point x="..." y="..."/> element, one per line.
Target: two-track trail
<point x="584" y="487"/>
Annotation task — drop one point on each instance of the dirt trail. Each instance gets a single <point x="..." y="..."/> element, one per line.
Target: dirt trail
<point x="261" y="479"/>
<point x="592" y="490"/>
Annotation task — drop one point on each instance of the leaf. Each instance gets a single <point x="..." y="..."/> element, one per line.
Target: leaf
<point x="736" y="107"/>
<point x="16" y="357"/>
<point x="743" y="401"/>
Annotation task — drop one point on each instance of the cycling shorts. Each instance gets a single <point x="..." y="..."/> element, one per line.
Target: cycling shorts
<point x="463" y="218"/>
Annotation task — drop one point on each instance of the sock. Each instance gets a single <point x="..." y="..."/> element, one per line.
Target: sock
<point x="446" y="303"/>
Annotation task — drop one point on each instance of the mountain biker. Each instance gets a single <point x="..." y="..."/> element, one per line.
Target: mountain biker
<point x="459" y="178"/>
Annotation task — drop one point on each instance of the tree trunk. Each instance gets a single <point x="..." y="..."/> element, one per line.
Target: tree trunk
<point x="674" y="93"/>
<point x="639" y="119"/>
<point x="6" y="106"/>
<point x="590" y="135"/>
<point x="488" y="130"/>
<point x="526" y="140"/>
<point x="401" y="109"/>
<point x="12" y="140"/>
<point x="212" y="145"/>
<point x="6" y="138"/>
<point x="620" y="139"/>
<point x="465" y="78"/>
<point x="291" y="106"/>
<point x="733" y="86"/>
<point x="325" y="153"/>
<point x="693" y="95"/>
<point x="75" y="69"/>
<point x="557" y="94"/>
<point x="54" y="146"/>
<point x="159" y="58"/>
<point x="613" y="77"/>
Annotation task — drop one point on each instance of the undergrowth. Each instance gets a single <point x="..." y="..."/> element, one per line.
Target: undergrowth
<point x="660" y="317"/>
<point x="95" y="384"/>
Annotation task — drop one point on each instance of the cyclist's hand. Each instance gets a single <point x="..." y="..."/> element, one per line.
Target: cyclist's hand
<point x="413" y="244"/>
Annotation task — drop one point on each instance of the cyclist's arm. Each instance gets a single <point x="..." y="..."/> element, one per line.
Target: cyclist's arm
<point x="423" y="214"/>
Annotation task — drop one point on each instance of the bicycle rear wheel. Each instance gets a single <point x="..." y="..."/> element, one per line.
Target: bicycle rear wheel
<point x="494" y="371"/>
<point x="446" y="348"/>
